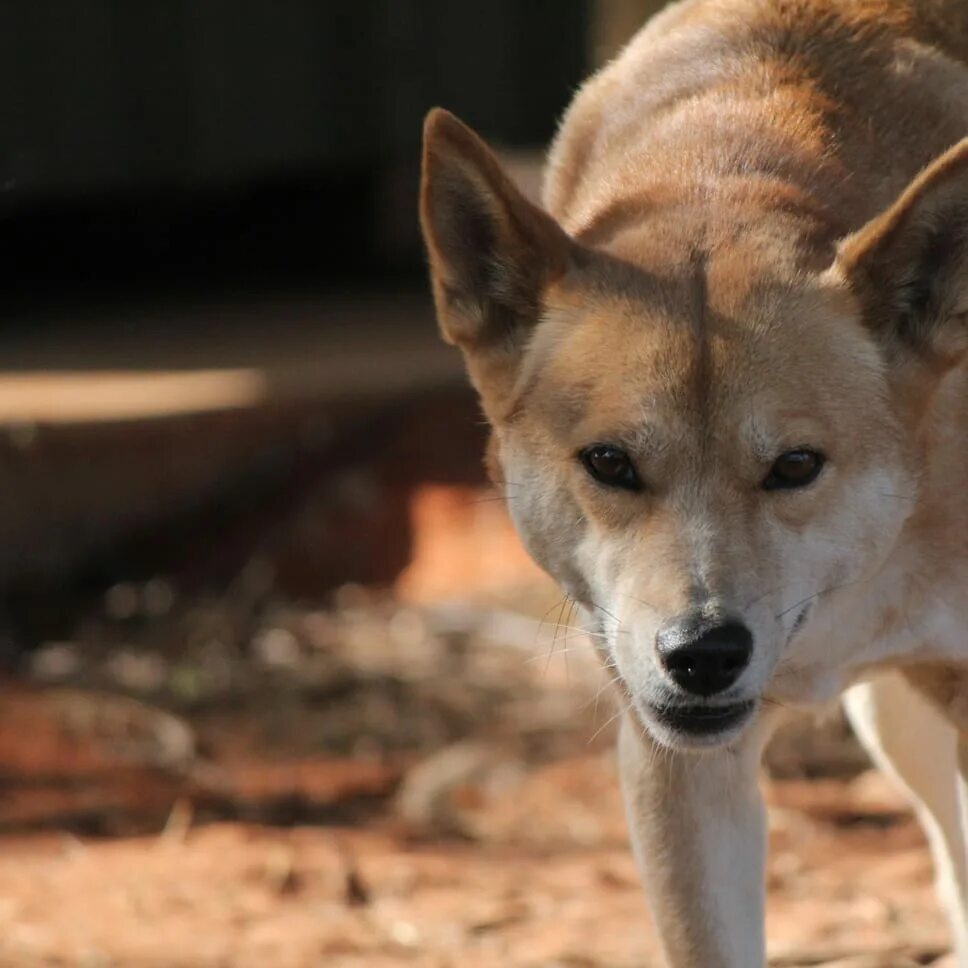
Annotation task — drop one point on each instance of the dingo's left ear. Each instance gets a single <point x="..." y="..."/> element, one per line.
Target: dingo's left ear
<point x="492" y="252"/>
<point x="909" y="265"/>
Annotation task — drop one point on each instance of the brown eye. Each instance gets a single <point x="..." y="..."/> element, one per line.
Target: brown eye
<point x="610" y="466"/>
<point x="795" y="468"/>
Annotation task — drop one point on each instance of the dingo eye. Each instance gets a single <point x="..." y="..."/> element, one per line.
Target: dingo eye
<point x="795" y="468"/>
<point x="610" y="466"/>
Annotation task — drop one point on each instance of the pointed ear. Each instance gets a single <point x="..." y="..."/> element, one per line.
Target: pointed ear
<point x="909" y="265"/>
<point x="492" y="252"/>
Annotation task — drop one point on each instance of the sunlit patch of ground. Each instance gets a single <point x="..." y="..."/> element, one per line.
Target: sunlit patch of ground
<point x="543" y="879"/>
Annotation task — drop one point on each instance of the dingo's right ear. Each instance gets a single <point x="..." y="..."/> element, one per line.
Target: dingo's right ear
<point x="909" y="265"/>
<point x="492" y="252"/>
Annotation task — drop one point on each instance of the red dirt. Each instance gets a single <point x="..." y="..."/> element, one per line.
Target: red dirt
<point x="540" y="877"/>
<point x="323" y="813"/>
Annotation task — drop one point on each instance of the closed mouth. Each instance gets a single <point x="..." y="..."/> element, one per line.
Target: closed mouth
<point x="701" y="720"/>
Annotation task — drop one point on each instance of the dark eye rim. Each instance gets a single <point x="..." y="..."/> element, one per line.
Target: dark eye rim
<point x="775" y="481"/>
<point x="629" y="481"/>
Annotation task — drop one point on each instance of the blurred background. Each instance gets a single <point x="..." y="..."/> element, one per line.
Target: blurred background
<point x="279" y="684"/>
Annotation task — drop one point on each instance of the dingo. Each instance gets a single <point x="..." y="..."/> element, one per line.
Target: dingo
<point x="726" y="377"/>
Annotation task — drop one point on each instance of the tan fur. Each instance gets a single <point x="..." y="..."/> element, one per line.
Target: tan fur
<point x="755" y="240"/>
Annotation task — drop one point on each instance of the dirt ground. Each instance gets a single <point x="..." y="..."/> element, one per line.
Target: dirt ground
<point x="398" y="779"/>
<point x="547" y="881"/>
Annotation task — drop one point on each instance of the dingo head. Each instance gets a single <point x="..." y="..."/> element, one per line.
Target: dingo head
<point x="703" y="436"/>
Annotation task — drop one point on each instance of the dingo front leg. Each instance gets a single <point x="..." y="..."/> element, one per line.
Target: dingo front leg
<point x="910" y="737"/>
<point x="698" y="831"/>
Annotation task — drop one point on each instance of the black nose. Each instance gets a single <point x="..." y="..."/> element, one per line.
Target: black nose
<point x="704" y="657"/>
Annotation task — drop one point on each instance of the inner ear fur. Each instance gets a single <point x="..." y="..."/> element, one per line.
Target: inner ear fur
<point x="909" y="265"/>
<point x="492" y="252"/>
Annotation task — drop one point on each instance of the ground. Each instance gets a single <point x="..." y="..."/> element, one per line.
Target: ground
<point x="386" y="782"/>
<point x="545" y="880"/>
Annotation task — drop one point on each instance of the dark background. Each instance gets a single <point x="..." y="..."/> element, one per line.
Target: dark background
<point x="236" y="142"/>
